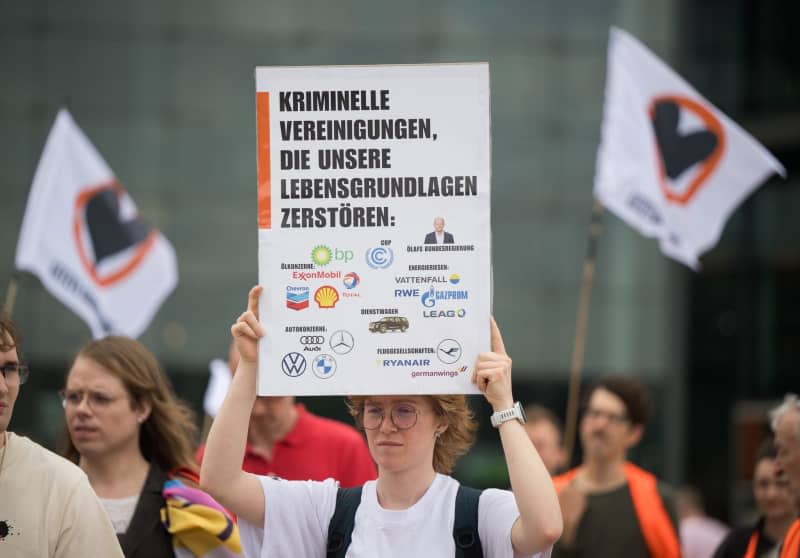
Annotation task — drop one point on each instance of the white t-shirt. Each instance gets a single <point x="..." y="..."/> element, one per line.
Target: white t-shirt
<point x="297" y="515"/>
<point x="48" y="508"/>
<point x="120" y="511"/>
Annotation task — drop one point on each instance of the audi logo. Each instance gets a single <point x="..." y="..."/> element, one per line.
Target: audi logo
<point x="312" y="339"/>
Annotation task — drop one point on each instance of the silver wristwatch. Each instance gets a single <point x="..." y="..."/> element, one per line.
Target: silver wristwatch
<point x="514" y="412"/>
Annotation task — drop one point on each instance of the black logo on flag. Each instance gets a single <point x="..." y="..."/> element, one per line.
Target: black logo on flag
<point x="111" y="238"/>
<point x="678" y="152"/>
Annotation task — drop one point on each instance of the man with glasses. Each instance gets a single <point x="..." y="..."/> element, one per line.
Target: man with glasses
<point x="611" y="507"/>
<point x="47" y="508"/>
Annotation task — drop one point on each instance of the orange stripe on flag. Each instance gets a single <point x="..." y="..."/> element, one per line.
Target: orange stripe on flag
<point x="262" y="139"/>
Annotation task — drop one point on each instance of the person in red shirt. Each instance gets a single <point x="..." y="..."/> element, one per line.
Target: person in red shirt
<point x="286" y="440"/>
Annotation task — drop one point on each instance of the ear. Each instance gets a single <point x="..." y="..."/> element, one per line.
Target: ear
<point x="143" y="410"/>
<point x="635" y="434"/>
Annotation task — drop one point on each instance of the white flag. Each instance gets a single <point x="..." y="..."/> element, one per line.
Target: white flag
<point x="83" y="237"/>
<point x="670" y="163"/>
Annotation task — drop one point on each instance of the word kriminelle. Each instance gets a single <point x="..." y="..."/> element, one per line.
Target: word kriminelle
<point x="312" y="101"/>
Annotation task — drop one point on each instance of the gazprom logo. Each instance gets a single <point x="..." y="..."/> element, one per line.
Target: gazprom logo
<point x="432" y="295"/>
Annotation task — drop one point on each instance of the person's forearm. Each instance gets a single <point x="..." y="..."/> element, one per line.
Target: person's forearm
<point x="539" y="511"/>
<point x="227" y="439"/>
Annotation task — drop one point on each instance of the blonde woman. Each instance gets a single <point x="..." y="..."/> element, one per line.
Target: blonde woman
<point x="409" y="509"/>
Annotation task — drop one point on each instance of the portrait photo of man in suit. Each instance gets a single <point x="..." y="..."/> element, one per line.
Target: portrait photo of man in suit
<point x="438" y="236"/>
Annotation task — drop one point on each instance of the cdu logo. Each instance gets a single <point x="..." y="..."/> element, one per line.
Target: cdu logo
<point x="293" y="364"/>
<point x="111" y="239"/>
<point x="690" y="141"/>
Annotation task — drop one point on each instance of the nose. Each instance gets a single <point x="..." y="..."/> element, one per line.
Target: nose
<point x="3" y="384"/>
<point x="387" y="425"/>
<point x="83" y="405"/>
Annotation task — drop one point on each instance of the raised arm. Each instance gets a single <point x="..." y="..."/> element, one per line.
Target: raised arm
<point x="539" y="524"/>
<point x="221" y="473"/>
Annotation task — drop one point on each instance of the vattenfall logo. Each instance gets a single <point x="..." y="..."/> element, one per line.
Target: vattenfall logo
<point x="322" y="255"/>
<point x="432" y="295"/>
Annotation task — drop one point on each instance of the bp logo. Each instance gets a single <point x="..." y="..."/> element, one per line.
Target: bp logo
<point x="321" y="255"/>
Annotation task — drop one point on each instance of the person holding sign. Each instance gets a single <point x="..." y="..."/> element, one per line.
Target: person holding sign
<point x="409" y="509"/>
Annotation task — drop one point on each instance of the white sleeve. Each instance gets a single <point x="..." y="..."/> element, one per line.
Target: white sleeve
<point x="296" y="518"/>
<point x="497" y="512"/>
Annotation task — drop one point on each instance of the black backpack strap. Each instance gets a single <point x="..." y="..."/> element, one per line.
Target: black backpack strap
<point x="341" y="526"/>
<point x="465" y="526"/>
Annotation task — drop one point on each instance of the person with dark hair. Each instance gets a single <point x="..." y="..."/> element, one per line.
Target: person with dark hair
<point x="546" y="432"/>
<point x="134" y="440"/>
<point x="47" y="508"/>
<point x="410" y="509"/>
<point x="610" y="506"/>
<point x="774" y="501"/>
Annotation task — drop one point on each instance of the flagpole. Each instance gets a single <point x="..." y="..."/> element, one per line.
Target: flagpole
<point x="11" y="295"/>
<point x="579" y="341"/>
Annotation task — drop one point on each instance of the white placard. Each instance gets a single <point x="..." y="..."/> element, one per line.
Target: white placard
<point x="357" y="169"/>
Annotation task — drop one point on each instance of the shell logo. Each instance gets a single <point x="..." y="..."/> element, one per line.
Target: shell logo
<point x="326" y="296"/>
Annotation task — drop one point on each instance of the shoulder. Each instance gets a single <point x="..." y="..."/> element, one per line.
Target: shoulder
<point x="38" y="459"/>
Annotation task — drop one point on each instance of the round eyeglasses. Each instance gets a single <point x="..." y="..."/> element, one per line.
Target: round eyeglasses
<point x="403" y="416"/>
<point x="15" y="373"/>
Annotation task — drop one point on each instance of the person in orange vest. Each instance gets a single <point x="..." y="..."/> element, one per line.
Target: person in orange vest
<point x="610" y="506"/>
<point x="774" y="500"/>
<point x="786" y="426"/>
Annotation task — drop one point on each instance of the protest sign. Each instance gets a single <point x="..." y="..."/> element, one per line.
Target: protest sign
<point x="374" y="228"/>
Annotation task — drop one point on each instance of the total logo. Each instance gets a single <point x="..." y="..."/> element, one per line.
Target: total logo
<point x="380" y="257"/>
<point x="351" y="280"/>
<point x="322" y="255"/>
<point x="296" y="297"/>
<point x="326" y="296"/>
<point x="460" y="313"/>
<point x="432" y="295"/>
<point x="312" y="343"/>
<point x="324" y="366"/>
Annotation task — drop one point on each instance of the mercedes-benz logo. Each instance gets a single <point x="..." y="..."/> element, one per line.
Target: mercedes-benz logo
<point x="448" y="351"/>
<point x="293" y="364"/>
<point x="341" y="342"/>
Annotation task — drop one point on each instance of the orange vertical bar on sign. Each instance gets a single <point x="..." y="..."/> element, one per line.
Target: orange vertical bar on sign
<point x="262" y="139"/>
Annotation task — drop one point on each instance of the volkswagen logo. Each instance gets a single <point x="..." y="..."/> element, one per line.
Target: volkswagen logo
<point x="324" y="366"/>
<point x="293" y="364"/>
<point x="312" y="339"/>
<point x="448" y="351"/>
<point x="342" y="342"/>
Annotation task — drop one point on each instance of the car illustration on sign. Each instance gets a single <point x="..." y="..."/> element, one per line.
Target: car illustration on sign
<point x="389" y="323"/>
